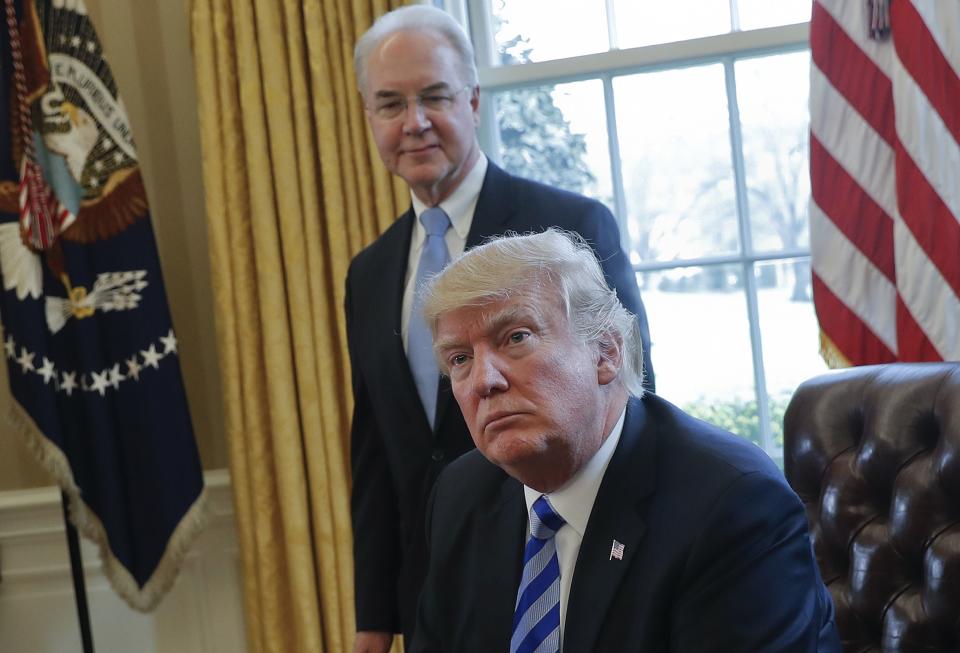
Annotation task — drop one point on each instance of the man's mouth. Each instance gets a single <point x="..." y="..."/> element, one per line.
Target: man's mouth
<point x="500" y="419"/>
<point x="423" y="149"/>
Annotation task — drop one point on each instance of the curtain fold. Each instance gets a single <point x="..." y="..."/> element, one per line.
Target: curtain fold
<point x="294" y="188"/>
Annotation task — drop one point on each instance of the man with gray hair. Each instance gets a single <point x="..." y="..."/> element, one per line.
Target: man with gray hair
<point x="645" y="529"/>
<point x="418" y="80"/>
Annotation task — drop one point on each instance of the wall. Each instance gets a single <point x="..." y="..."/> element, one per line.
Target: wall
<point x="201" y="614"/>
<point x="147" y="44"/>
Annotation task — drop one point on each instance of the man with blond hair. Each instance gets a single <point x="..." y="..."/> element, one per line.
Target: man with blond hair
<point x="645" y="529"/>
<point x="418" y="81"/>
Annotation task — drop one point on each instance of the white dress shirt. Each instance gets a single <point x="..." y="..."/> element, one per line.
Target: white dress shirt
<point x="574" y="502"/>
<point x="459" y="207"/>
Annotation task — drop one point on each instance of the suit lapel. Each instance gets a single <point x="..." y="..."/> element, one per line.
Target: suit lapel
<point x="491" y="217"/>
<point x="395" y="258"/>
<point x="387" y="298"/>
<point x="495" y="207"/>
<point x="497" y="585"/>
<point x="444" y="398"/>
<point x="616" y="516"/>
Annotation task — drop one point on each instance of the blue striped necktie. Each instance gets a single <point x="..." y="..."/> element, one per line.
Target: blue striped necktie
<point x="433" y="257"/>
<point x="536" y="620"/>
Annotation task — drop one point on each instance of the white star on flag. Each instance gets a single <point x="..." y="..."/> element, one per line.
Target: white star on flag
<point x="25" y="360"/>
<point x="616" y="551"/>
<point x="47" y="370"/>
<point x="169" y="343"/>
<point x="10" y="347"/>
<point x="116" y="377"/>
<point x="100" y="382"/>
<point x="69" y="382"/>
<point x="133" y="368"/>
<point x="151" y="358"/>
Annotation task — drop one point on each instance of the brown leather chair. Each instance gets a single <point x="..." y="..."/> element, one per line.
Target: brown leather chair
<point x="874" y="453"/>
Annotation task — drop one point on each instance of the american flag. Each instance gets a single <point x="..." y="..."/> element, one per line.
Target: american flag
<point x="885" y="180"/>
<point x="616" y="550"/>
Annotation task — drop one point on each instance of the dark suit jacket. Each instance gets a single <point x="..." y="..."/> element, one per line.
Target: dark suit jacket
<point x="717" y="555"/>
<point x="395" y="456"/>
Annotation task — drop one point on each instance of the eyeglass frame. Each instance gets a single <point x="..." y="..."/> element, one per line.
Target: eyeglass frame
<point x="420" y="99"/>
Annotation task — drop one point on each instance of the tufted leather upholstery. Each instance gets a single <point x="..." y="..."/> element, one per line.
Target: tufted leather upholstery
<point x="874" y="453"/>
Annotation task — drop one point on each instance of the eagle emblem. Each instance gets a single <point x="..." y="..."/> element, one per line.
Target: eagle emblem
<point x="79" y="175"/>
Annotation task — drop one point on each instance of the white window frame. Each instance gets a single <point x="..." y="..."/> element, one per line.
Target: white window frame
<point x="722" y="48"/>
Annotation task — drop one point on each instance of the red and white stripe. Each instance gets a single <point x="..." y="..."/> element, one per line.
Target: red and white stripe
<point x="42" y="215"/>
<point x="885" y="182"/>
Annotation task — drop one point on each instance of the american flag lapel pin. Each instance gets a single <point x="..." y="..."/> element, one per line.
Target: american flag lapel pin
<point x="616" y="551"/>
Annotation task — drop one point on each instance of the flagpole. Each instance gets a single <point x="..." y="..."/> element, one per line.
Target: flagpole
<point x="79" y="586"/>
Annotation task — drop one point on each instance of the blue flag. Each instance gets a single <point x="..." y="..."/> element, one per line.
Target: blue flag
<point x="91" y="353"/>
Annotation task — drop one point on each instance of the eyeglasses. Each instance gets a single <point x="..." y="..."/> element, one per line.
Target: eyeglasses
<point x="393" y="106"/>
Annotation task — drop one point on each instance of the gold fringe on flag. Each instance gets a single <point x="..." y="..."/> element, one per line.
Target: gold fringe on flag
<point x="831" y="353"/>
<point x="89" y="525"/>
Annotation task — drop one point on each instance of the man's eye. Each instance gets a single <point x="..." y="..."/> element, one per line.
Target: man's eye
<point x="434" y="101"/>
<point x="519" y="336"/>
<point x="389" y="105"/>
<point x="458" y="359"/>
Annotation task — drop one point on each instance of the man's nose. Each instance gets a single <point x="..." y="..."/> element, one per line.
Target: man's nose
<point x="488" y="374"/>
<point x="415" y="118"/>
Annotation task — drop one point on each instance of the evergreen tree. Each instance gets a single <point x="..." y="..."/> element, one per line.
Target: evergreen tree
<point x="535" y="138"/>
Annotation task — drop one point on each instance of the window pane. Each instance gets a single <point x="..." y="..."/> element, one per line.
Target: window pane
<point x="772" y="94"/>
<point x="789" y="331"/>
<point x="646" y="22"/>
<point x="557" y="134"/>
<point x="764" y="13"/>
<point x="675" y="152"/>
<point x="539" y="30"/>
<point x="701" y="344"/>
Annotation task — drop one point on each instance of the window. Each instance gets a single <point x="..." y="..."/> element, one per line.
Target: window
<point x="689" y="120"/>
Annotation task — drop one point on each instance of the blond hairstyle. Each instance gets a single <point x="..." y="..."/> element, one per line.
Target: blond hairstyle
<point x="510" y="265"/>
<point x="422" y="18"/>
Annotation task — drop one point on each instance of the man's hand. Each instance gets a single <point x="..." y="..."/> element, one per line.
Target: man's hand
<point x="370" y="641"/>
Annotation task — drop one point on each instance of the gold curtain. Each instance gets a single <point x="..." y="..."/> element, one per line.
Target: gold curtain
<point x="294" y="188"/>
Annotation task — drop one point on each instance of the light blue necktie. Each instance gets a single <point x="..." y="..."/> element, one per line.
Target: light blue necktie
<point x="536" y="620"/>
<point x="433" y="258"/>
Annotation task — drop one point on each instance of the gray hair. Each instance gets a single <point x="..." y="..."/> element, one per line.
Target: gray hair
<point x="507" y="266"/>
<point x="424" y="18"/>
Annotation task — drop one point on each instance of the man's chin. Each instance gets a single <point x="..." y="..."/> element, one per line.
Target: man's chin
<point x="514" y="451"/>
<point x="422" y="176"/>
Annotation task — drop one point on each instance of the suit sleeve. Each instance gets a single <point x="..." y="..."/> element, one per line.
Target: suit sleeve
<point x="601" y="230"/>
<point x="425" y="638"/>
<point x="751" y="583"/>
<point x="373" y="506"/>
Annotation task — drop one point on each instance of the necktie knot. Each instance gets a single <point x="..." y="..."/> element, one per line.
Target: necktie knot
<point x="544" y="520"/>
<point x="435" y="221"/>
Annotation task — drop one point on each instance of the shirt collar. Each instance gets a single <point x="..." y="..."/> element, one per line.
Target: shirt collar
<point x="459" y="206"/>
<point x="574" y="501"/>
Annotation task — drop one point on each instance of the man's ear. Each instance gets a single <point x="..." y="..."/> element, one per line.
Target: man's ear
<point x="366" y="109"/>
<point x="610" y="359"/>
<point x="475" y="104"/>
